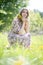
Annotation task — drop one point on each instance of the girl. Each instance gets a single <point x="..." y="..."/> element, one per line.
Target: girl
<point x="20" y="29"/>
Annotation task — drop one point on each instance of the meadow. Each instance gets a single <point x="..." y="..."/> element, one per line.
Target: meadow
<point x="19" y="55"/>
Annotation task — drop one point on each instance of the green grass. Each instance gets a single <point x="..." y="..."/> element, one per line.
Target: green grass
<point x="34" y="55"/>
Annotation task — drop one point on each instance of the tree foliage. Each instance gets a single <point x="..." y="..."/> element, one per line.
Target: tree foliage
<point x="36" y="21"/>
<point x="8" y="10"/>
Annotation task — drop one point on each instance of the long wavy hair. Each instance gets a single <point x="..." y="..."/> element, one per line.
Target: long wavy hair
<point x="19" y="16"/>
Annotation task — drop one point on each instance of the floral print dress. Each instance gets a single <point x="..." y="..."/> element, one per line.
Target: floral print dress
<point x="13" y="36"/>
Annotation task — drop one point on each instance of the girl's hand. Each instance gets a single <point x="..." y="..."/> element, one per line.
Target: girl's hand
<point x="24" y="19"/>
<point x="26" y="27"/>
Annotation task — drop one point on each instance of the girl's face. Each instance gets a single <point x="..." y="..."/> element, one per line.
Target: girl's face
<point x="24" y="13"/>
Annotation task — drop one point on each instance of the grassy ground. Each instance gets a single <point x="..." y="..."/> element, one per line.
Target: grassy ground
<point x="20" y="55"/>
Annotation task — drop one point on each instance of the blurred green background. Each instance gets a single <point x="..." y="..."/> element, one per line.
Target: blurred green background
<point x="34" y="55"/>
<point x="10" y="8"/>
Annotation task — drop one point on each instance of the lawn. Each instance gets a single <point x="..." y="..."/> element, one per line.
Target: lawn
<point x="19" y="55"/>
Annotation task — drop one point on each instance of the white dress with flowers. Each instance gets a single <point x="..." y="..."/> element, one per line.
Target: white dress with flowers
<point x="13" y="36"/>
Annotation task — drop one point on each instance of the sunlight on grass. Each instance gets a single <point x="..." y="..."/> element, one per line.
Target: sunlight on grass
<point x="20" y="55"/>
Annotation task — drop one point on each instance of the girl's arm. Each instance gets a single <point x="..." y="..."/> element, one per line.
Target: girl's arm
<point x="15" y="26"/>
<point x="27" y="26"/>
